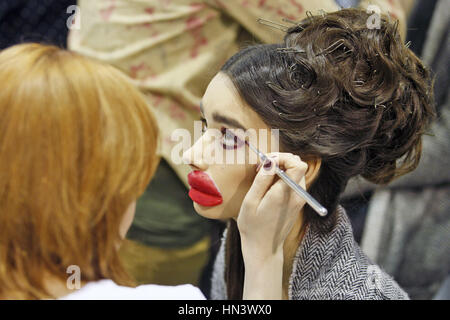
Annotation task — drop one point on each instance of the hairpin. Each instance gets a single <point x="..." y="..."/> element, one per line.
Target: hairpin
<point x="293" y="67"/>
<point x="396" y="26"/>
<point x="292" y="70"/>
<point x="310" y="15"/>
<point x="309" y="70"/>
<point x="335" y="45"/>
<point x="290" y="50"/>
<point x="289" y="21"/>
<point x="273" y="24"/>
<point x="407" y="44"/>
<point x="378" y="105"/>
<point x="273" y="86"/>
<point x="317" y="132"/>
<point x="344" y="54"/>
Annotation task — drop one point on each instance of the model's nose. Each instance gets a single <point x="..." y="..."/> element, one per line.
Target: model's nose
<point x="193" y="156"/>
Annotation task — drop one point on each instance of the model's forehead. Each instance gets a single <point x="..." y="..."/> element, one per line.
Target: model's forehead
<point x="221" y="95"/>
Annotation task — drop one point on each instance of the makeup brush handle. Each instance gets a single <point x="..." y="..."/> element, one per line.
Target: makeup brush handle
<point x="298" y="189"/>
<point x="302" y="193"/>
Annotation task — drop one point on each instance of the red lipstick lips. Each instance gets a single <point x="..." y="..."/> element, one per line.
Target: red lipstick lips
<point x="203" y="190"/>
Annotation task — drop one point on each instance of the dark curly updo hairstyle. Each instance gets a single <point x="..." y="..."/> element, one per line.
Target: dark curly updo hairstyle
<point x="357" y="98"/>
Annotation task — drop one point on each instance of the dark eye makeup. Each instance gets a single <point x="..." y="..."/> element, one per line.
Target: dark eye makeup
<point x="230" y="141"/>
<point x="204" y="125"/>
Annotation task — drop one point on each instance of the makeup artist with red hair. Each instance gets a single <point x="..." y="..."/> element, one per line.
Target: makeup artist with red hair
<point x="78" y="148"/>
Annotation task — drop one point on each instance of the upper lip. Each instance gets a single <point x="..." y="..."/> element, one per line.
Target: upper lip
<point x="201" y="181"/>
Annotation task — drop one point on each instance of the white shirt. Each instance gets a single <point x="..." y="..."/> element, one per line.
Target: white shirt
<point x="108" y="290"/>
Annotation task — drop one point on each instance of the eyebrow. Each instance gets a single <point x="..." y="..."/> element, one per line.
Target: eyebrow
<point x="228" y="121"/>
<point x="224" y="119"/>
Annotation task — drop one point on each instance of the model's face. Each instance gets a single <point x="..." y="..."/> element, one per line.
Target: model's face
<point x="226" y="182"/>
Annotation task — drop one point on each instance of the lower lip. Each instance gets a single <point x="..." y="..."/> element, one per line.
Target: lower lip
<point x="204" y="199"/>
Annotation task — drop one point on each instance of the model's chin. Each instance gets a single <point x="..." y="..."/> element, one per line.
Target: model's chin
<point x="210" y="212"/>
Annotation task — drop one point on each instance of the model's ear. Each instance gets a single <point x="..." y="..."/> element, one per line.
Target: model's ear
<point x="313" y="171"/>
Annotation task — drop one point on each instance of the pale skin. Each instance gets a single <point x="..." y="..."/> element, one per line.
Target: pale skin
<point x="269" y="214"/>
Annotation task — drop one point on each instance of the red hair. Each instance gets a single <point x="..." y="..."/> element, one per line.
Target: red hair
<point x="78" y="145"/>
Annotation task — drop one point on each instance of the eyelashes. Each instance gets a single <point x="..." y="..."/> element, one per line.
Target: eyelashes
<point x="204" y="125"/>
<point x="231" y="139"/>
<point x="228" y="141"/>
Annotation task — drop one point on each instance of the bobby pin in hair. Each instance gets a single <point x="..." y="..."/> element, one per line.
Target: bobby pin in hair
<point x="335" y="45"/>
<point x="273" y="24"/>
<point x="273" y="85"/>
<point x="292" y="70"/>
<point x="317" y="133"/>
<point x="289" y="21"/>
<point x="277" y="107"/>
<point x="395" y="26"/>
<point x="344" y="54"/>
<point x="389" y="17"/>
<point x="275" y="104"/>
<point x="310" y="15"/>
<point x="293" y="67"/>
<point x="407" y="44"/>
<point x="308" y="69"/>
<point x="378" y="105"/>
<point x="290" y="50"/>
<point x="297" y="25"/>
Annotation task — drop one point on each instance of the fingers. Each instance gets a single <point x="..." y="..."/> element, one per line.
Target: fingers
<point x="295" y="169"/>
<point x="260" y="185"/>
<point x="293" y="166"/>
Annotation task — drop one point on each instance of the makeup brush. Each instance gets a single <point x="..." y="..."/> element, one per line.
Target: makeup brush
<point x="321" y="210"/>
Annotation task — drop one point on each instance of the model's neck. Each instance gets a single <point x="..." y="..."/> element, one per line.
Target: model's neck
<point x="290" y="248"/>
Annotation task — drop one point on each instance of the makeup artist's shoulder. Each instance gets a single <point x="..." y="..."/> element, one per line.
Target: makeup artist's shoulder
<point x="108" y="290"/>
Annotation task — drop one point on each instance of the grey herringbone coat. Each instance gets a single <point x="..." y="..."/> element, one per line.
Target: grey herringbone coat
<point x="327" y="266"/>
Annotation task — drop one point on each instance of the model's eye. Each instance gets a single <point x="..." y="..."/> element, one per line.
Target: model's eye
<point x="229" y="140"/>
<point x="204" y="125"/>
